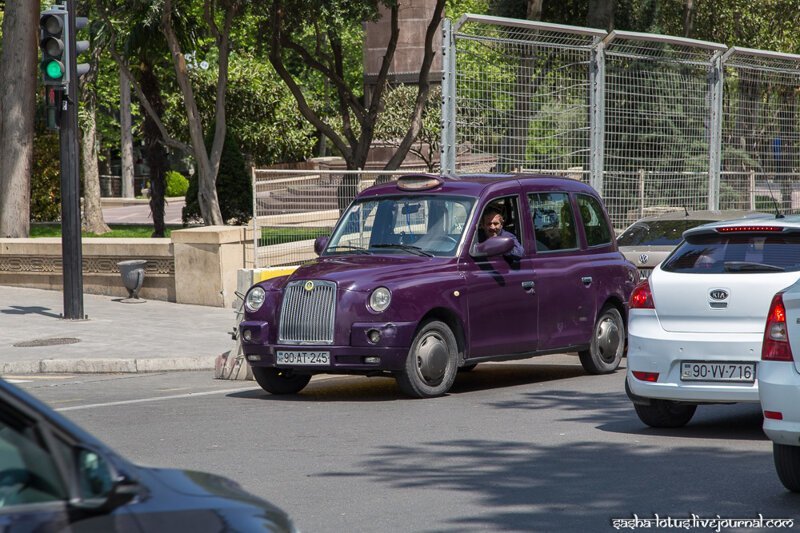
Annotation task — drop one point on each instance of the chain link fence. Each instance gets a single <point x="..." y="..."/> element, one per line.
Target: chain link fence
<point x="649" y="120"/>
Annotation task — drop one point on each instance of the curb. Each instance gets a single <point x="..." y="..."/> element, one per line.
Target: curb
<point x="108" y="366"/>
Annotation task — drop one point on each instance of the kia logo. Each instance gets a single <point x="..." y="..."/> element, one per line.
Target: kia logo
<point x="643" y="259"/>
<point x="718" y="294"/>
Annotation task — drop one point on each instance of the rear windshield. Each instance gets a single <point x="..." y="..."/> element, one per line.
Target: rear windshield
<point x="657" y="232"/>
<point x="736" y="253"/>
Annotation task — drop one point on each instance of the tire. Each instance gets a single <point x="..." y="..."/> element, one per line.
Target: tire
<point x="432" y="362"/>
<point x="665" y="413"/>
<point x="280" y="380"/>
<point x="608" y="343"/>
<point x="787" y="464"/>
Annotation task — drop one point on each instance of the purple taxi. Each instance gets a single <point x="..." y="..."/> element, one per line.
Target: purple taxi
<point x="427" y="275"/>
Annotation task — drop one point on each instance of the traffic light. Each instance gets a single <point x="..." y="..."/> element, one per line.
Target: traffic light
<point x="80" y="46"/>
<point x="52" y="106"/>
<point x="56" y="45"/>
<point x="53" y="43"/>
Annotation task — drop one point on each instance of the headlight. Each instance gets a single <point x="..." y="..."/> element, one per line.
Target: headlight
<point x="380" y="299"/>
<point x="255" y="299"/>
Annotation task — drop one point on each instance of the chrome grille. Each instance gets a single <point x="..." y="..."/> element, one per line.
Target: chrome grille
<point x="308" y="313"/>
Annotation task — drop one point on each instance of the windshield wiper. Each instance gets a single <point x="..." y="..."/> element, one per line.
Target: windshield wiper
<point x="405" y="247"/>
<point x="349" y="248"/>
<point x="746" y="266"/>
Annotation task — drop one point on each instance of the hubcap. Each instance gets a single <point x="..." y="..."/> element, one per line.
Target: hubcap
<point x="432" y="356"/>
<point x="608" y="340"/>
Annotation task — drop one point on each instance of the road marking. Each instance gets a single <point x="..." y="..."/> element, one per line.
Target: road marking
<point x="18" y="380"/>
<point x="155" y="399"/>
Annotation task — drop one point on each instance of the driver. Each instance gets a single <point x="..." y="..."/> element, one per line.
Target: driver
<point x="492" y="226"/>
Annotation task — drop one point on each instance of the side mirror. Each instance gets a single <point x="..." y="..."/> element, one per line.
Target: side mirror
<point x="319" y="244"/>
<point x="492" y="247"/>
<point x="101" y="488"/>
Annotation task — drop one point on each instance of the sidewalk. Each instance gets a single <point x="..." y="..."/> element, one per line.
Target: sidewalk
<point x="117" y="337"/>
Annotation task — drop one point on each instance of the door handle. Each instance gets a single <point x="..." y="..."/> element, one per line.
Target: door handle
<point x="586" y="280"/>
<point x="529" y="285"/>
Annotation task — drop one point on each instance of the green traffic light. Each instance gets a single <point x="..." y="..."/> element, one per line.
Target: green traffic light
<point x="54" y="70"/>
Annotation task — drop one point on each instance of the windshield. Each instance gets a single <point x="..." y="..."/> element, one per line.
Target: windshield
<point x="736" y="253"/>
<point x="426" y="225"/>
<point x="657" y="232"/>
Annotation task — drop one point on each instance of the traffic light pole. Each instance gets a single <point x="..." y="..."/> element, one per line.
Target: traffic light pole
<point x="71" y="246"/>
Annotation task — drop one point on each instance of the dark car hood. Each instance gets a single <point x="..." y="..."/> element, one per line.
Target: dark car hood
<point x="365" y="272"/>
<point x="208" y="499"/>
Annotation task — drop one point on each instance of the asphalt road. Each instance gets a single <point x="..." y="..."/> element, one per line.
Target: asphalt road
<point x="532" y="446"/>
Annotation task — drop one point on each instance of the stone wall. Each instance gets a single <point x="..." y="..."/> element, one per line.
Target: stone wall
<point x="196" y="265"/>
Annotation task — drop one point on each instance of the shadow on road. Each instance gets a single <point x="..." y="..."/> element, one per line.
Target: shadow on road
<point x="362" y="389"/>
<point x="530" y="487"/>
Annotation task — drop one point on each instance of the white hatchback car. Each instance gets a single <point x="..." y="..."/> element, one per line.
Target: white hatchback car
<point x="779" y="384"/>
<point x="696" y="326"/>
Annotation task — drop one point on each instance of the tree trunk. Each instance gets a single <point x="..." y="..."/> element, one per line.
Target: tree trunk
<point x="92" y="208"/>
<point x="126" y="141"/>
<point x="154" y="151"/>
<point x="688" y="18"/>
<point x="601" y="14"/>
<point x="17" y="111"/>
<point x="207" y="165"/>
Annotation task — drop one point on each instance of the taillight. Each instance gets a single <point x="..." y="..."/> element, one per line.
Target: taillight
<point x="652" y="377"/>
<point x="748" y="229"/>
<point x="642" y="297"/>
<point x="773" y="415"/>
<point x="776" y="339"/>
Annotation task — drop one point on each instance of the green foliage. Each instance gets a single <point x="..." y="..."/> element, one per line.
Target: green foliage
<point x="45" y="177"/>
<point x="394" y="120"/>
<point x="234" y="188"/>
<point x="177" y="184"/>
<point x="268" y="126"/>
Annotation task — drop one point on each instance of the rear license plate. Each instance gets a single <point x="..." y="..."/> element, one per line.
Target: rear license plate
<point x="730" y="372"/>
<point x="644" y="273"/>
<point x="304" y="358"/>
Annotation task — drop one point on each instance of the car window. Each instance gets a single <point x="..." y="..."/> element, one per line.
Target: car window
<point x="553" y="222"/>
<point x="594" y="223"/>
<point x="28" y="474"/>
<point x="657" y="232"/>
<point x="417" y="225"/>
<point x="736" y="253"/>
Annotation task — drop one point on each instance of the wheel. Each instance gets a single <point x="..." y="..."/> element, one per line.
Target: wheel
<point x="665" y="413"/>
<point x="608" y="343"/>
<point x="467" y="368"/>
<point x="280" y="380"/>
<point x="432" y="362"/>
<point x="787" y="464"/>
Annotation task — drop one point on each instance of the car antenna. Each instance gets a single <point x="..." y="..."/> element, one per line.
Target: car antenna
<point x="778" y="213"/>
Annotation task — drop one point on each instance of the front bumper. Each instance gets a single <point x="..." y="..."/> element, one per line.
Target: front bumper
<point x="780" y="392"/>
<point x="651" y="349"/>
<point x="259" y="346"/>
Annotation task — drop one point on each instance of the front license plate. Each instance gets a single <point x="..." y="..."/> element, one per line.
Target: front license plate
<point x="731" y="372"/>
<point x="304" y="358"/>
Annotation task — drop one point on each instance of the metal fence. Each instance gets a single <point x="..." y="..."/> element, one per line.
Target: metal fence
<point x="648" y="120"/>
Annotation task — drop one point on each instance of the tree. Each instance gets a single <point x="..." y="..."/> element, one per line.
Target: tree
<point x="17" y="112"/>
<point x="325" y="56"/>
<point x="172" y="24"/>
<point x="392" y="125"/>
<point x="92" y="219"/>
